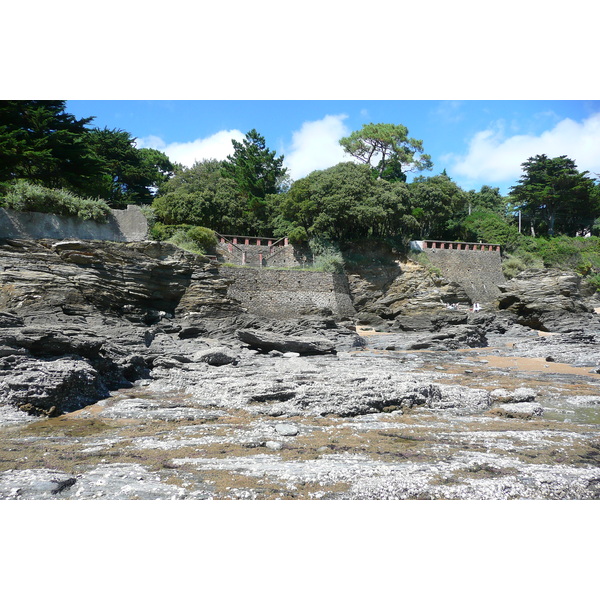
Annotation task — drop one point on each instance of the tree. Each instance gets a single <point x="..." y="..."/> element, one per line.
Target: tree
<point x="343" y="202"/>
<point x="42" y="143"/>
<point x="202" y="195"/>
<point x="487" y="199"/>
<point x="254" y="167"/>
<point x="438" y="205"/>
<point x="488" y="226"/>
<point x="554" y="196"/>
<point x="387" y="149"/>
<point x="129" y="174"/>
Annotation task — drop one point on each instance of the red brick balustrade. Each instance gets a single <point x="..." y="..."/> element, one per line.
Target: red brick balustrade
<point x="434" y="244"/>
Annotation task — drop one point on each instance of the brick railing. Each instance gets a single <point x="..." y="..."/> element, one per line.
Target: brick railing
<point x="437" y="244"/>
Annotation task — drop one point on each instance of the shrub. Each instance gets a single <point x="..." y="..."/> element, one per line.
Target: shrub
<point x="326" y="255"/>
<point x="594" y="281"/>
<point x="30" y="197"/>
<point x="204" y="238"/>
<point x="161" y="232"/>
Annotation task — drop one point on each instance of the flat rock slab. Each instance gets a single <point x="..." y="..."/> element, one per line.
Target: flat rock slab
<point x="268" y="340"/>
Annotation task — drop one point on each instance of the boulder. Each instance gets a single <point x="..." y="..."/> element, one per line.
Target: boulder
<point x="521" y="410"/>
<point x="268" y="340"/>
<point x="217" y="356"/>
<point x="49" y="386"/>
<point x="519" y="395"/>
<point x="452" y="338"/>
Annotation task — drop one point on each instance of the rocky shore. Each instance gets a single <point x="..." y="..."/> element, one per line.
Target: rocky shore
<point x="127" y="372"/>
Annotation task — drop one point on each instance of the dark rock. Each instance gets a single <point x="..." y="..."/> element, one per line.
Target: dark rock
<point x="217" y="356"/>
<point x="266" y="340"/>
<point x="547" y="300"/>
<point x="50" y="386"/>
<point x="452" y="338"/>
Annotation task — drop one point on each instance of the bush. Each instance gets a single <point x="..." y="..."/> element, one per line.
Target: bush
<point x="161" y="232"/>
<point x="181" y="239"/>
<point x="594" y="281"/>
<point x="30" y="197"/>
<point x="326" y="256"/>
<point x="204" y="238"/>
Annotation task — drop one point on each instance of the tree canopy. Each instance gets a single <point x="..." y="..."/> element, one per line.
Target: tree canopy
<point x="43" y="144"/>
<point x="554" y="197"/>
<point x="343" y="202"/>
<point x="52" y="161"/>
<point x="387" y="149"/>
<point x="128" y="174"/>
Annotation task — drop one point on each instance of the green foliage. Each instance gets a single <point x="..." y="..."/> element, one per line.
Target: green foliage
<point x="202" y="195"/>
<point x="326" y="255"/>
<point x="438" y="206"/>
<point x="30" y="197"/>
<point x="520" y="261"/>
<point x="43" y="144"/>
<point x="203" y="237"/>
<point x="161" y="232"/>
<point x="343" y="202"/>
<point x="580" y="254"/>
<point x="424" y="261"/>
<point x="298" y="235"/>
<point x="181" y="239"/>
<point x="128" y="174"/>
<point x="490" y="227"/>
<point x="487" y="199"/>
<point x="258" y="176"/>
<point x="390" y="146"/>
<point x="554" y="197"/>
<point x="594" y="282"/>
<point x="198" y="240"/>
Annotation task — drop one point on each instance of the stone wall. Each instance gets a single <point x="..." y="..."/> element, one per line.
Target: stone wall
<point x="289" y="294"/>
<point x="129" y="225"/>
<point x="265" y="256"/>
<point x="478" y="271"/>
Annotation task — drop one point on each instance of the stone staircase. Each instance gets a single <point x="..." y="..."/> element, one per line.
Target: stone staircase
<point x="250" y="251"/>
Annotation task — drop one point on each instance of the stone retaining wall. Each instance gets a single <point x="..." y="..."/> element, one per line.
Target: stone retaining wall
<point x="479" y="272"/>
<point x="289" y="294"/>
<point x="265" y="256"/>
<point x="129" y="225"/>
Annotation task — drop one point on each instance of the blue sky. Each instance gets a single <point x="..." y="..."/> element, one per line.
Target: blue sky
<point x="478" y="142"/>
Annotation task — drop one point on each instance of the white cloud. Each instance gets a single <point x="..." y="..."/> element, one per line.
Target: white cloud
<point x="216" y="146"/>
<point x="316" y="146"/>
<point x="495" y="158"/>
